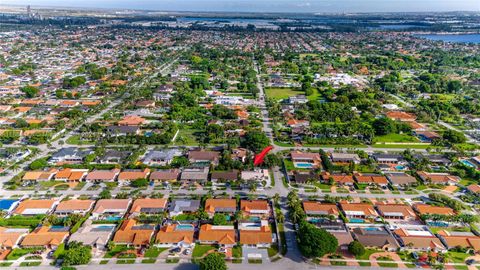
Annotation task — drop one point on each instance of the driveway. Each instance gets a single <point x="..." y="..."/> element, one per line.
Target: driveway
<point x="254" y="254"/>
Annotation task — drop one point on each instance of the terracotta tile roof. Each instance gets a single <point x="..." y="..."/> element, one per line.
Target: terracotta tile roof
<point x="402" y="116"/>
<point x="138" y="204"/>
<point x="106" y="204"/>
<point x="10" y="237"/>
<point x="212" y="204"/>
<point x="79" y="205"/>
<point x="388" y="209"/>
<point x="441" y="178"/>
<point x="33" y="204"/>
<point x="463" y="240"/>
<point x="102" y="175"/>
<point x="165" y="175"/>
<point x="368" y="179"/>
<point x="423" y="209"/>
<point x="254" y="237"/>
<point x="474" y="188"/>
<point x="169" y="234"/>
<point x="305" y="155"/>
<point x="366" y="208"/>
<point x="133" y="175"/>
<point x="130" y="233"/>
<point x="224" y="235"/>
<point x="42" y="236"/>
<point x="312" y="207"/>
<point x="419" y="241"/>
<point x="131" y="120"/>
<point x="247" y="206"/>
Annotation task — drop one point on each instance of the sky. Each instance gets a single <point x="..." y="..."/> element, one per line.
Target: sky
<point x="322" y="6"/>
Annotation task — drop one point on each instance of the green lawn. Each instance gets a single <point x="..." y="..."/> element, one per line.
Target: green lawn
<point x="49" y="184"/>
<point x="366" y="255"/>
<point x="187" y="137"/>
<point x="389" y="262"/>
<point x="458" y="257"/>
<point x="125" y="261"/>
<point x="19" y="252"/>
<point x="411" y="146"/>
<point x="278" y="93"/>
<point x="115" y="250"/>
<point x="395" y="138"/>
<point x="200" y="250"/>
<point x="149" y="261"/>
<point x="76" y="139"/>
<point x="153" y="252"/>
<point x="30" y="263"/>
<point x="237" y="251"/>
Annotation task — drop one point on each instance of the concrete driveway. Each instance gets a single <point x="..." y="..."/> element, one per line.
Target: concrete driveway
<point x="254" y="253"/>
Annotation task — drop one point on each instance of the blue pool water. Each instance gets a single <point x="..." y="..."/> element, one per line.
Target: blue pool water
<point x="356" y="220"/>
<point x="254" y="219"/>
<point x="399" y="167"/>
<point x="303" y="165"/>
<point x="184" y="227"/>
<point x="317" y="220"/>
<point x="6" y="204"/>
<point x="437" y="223"/>
<point x="103" y="228"/>
<point x="467" y="163"/>
<point x="371" y="229"/>
<point x="112" y="218"/>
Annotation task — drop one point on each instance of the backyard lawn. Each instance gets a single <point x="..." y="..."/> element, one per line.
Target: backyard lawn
<point x="200" y="250"/>
<point x="278" y="93"/>
<point x="395" y="138"/>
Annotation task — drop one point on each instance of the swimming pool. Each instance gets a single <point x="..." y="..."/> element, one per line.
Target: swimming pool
<point x="437" y="223"/>
<point x="184" y="227"/>
<point x="254" y="218"/>
<point x="467" y="163"/>
<point x="113" y="218"/>
<point x="317" y="220"/>
<point x="399" y="167"/>
<point x="304" y="165"/>
<point x="371" y="229"/>
<point x="356" y="220"/>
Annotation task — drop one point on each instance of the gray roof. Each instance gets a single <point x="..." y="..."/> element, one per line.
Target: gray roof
<point x="184" y="205"/>
<point x="166" y="154"/>
<point x="200" y="174"/>
<point x="123" y="129"/>
<point x="375" y="238"/>
<point x="71" y="152"/>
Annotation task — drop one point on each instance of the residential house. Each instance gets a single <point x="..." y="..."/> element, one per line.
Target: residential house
<point x="401" y="179"/>
<point x="11" y="237"/>
<point x="225" y="206"/>
<point x="427" y="136"/>
<point x="467" y="240"/>
<point x="425" y="209"/>
<point x="302" y="177"/>
<point x="176" y="235"/>
<point x="36" y="176"/>
<point x="102" y="175"/>
<point x="418" y="239"/>
<point x="339" y="179"/>
<point x="71" y="175"/>
<point x="148" y="206"/>
<point x="256" y="236"/>
<point x="344" y="238"/>
<point x="224" y="176"/>
<point x="132" y="234"/>
<point x="355" y="211"/>
<point x="8" y="205"/>
<point x="70" y="155"/>
<point x="371" y="179"/>
<point x="438" y="178"/>
<point x="113" y="156"/>
<point x="123" y="130"/>
<point x="375" y="237"/>
<point x="401" y="116"/>
<point x="306" y="160"/>
<point x="81" y="207"/>
<point x="259" y="208"/>
<point x="127" y="176"/>
<point x="437" y="160"/>
<point x="396" y="212"/>
<point x="160" y="157"/>
<point x="239" y="154"/>
<point x="474" y="189"/>
<point x="132" y="120"/>
<point x="111" y="208"/>
<point x="201" y="156"/>
<point x="94" y="235"/>
<point x="169" y="175"/>
<point x="179" y="207"/>
<point x="195" y="174"/>
<point x="314" y="208"/>
<point x="343" y="158"/>
<point x="223" y="236"/>
<point x="45" y="237"/>
<point x="258" y="175"/>
<point x="31" y="207"/>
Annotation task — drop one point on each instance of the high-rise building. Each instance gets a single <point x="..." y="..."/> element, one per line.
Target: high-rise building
<point x="29" y="11"/>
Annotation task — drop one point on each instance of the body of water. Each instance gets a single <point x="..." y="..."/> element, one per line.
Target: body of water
<point x="467" y="38"/>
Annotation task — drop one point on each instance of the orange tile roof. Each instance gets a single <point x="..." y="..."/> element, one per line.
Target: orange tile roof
<point x="406" y="210"/>
<point x="133" y="175"/>
<point x="212" y="204"/>
<point x="138" y="204"/>
<point x="359" y="207"/>
<point x="465" y="241"/>
<point x="254" y="237"/>
<point x="402" y="116"/>
<point x="474" y="188"/>
<point x="129" y="233"/>
<point x="247" y="206"/>
<point x="218" y="234"/>
<point x="9" y="238"/>
<point x="312" y="206"/>
<point x="168" y="234"/>
<point x="41" y="236"/>
<point x="105" y="204"/>
<point x="429" y="209"/>
<point x="33" y="204"/>
<point x="131" y="120"/>
<point x="82" y="205"/>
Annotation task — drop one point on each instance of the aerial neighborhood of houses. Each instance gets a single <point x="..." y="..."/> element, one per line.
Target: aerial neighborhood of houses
<point x="166" y="139"/>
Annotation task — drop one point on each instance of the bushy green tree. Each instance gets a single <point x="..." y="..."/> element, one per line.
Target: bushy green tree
<point x="314" y="241"/>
